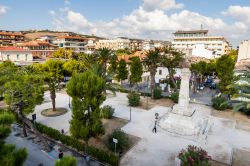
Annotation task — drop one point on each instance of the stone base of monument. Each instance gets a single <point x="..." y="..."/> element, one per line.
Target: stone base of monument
<point x="189" y="123"/>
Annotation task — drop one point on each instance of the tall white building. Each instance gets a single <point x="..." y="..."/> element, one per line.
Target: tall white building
<point x="189" y="39"/>
<point x="243" y="54"/>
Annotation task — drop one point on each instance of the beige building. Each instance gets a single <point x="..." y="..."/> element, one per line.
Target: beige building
<point x="189" y="39"/>
<point x="114" y="44"/>
<point x="243" y="54"/>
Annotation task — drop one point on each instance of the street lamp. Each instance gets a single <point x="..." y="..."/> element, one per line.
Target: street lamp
<point x="87" y="113"/>
<point x="147" y="92"/>
<point x="129" y="104"/>
<point x="69" y="103"/>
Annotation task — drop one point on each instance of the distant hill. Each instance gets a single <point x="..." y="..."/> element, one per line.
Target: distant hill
<point x="33" y="34"/>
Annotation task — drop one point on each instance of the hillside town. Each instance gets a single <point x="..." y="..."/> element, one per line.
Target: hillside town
<point x="147" y="88"/>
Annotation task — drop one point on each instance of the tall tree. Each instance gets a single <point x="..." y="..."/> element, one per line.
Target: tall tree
<point x="171" y="59"/>
<point x="9" y="155"/>
<point x="53" y="74"/>
<point x="104" y="56"/>
<point x="63" y="53"/>
<point x="242" y="94"/>
<point x="87" y="91"/>
<point x="225" y="72"/>
<point x="122" y="71"/>
<point x="152" y="62"/>
<point x="136" y="70"/>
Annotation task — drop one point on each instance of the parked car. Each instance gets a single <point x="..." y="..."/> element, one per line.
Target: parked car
<point x="212" y="85"/>
<point x="208" y="82"/>
<point x="201" y="87"/>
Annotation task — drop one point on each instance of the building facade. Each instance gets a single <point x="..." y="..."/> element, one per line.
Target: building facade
<point x="114" y="44"/>
<point x="243" y="54"/>
<point x="74" y="43"/>
<point x="189" y="39"/>
<point x="40" y="49"/>
<point x="15" y="54"/>
<point x="10" y="38"/>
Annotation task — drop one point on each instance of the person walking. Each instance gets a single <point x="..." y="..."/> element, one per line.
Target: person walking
<point x="154" y="129"/>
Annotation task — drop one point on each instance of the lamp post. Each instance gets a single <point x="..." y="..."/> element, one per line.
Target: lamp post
<point x="69" y="103"/>
<point x="129" y="104"/>
<point x="147" y="92"/>
<point x="87" y="113"/>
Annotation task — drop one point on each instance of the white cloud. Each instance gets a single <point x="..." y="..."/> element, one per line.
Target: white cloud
<point x="52" y="12"/>
<point x="67" y="2"/>
<point x="150" y="24"/>
<point x="150" y="5"/>
<point x="3" y="9"/>
<point x="239" y="12"/>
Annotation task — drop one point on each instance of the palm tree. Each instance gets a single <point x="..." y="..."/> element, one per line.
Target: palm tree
<point x="152" y="61"/>
<point x="243" y="91"/>
<point x="171" y="59"/>
<point x="104" y="55"/>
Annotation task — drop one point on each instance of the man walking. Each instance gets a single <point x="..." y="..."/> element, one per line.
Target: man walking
<point x="154" y="129"/>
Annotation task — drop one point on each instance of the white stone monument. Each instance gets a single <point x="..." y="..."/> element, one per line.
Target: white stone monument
<point x="183" y="119"/>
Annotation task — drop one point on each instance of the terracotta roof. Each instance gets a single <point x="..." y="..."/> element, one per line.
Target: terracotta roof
<point x="70" y="37"/>
<point x="34" y="43"/>
<point x="11" y="48"/>
<point x="126" y="57"/>
<point x="11" y="34"/>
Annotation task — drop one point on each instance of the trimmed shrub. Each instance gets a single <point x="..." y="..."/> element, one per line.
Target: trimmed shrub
<point x="122" y="141"/>
<point x="194" y="156"/>
<point x="157" y="93"/>
<point x="66" y="161"/>
<point x="133" y="99"/>
<point x="174" y="97"/>
<point x="107" y="112"/>
<point x="245" y="111"/>
<point x="99" y="154"/>
<point x="220" y="103"/>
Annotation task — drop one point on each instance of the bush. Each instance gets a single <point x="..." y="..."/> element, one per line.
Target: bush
<point x="194" y="156"/>
<point x="220" y="103"/>
<point x="157" y="93"/>
<point x="174" y="97"/>
<point x="122" y="141"/>
<point x="107" y="112"/>
<point x="133" y="99"/>
<point x="99" y="154"/>
<point x="245" y="111"/>
<point x="66" y="161"/>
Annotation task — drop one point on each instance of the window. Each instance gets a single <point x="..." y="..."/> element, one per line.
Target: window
<point x="26" y="57"/>
<point x="160" y="72"/>
<point x="8" y="57"/>
<point x="17" y="56"/>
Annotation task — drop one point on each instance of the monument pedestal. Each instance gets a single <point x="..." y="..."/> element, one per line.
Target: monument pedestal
<point x="183" y="119"/>
<point x="184" y="125"/>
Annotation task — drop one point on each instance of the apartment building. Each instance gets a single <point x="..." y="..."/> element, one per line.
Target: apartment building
<point x="189" y="39"/>
<point x="10" y="38"/>
<point x="75" y="43"/>
<point x="40" y="49"/>
<point x="243" y="59"/>
<point x="113" y="44"/>
<point x="15" y="54"/>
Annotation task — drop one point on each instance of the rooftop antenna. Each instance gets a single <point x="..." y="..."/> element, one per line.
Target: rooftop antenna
<point x="201" y="26"/>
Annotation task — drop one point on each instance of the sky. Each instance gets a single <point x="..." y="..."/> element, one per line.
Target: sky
<point x="145" y="19"/>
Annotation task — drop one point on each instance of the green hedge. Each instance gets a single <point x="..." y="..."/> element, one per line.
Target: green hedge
<point x="174" y="97"/>
<point x="99" y="154"/>
<point x="220" y="103"/>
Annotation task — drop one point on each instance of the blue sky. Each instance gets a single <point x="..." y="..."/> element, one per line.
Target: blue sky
<point x="155" y="19"/>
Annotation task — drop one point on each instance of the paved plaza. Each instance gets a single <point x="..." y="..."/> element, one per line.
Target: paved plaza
<point x="162" y="147"/>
